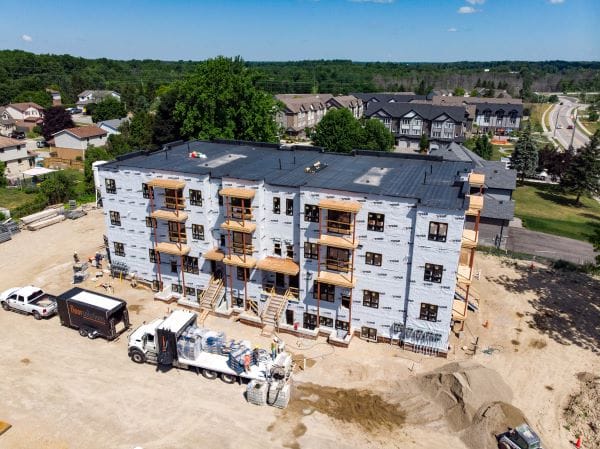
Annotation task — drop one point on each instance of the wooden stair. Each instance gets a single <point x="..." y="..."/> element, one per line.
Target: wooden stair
<point x="275" y="305"/>
<point x="212" y="294"/>
<point x="203" y="314"/>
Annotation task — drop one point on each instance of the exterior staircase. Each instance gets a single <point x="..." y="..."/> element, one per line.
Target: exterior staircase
<point x="275" y="305"/>
<point x="212" y="295"/>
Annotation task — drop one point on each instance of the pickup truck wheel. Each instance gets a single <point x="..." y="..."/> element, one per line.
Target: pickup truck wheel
<point x="228" y="378"/>
<point x="37" y="315"/>
<point x="83" y="332"/>
<point x="5" y="306"/>
<point x="504" y="445"/>
<point x="138" y="357"/>
<point x="209" y="374"/>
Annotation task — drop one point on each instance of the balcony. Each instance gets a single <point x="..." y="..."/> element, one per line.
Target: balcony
<point x="338" y="265"/>
<point x="238" y="226"/>
<point x="214" y="254"/>
<point x="235" y="192"/>
<point x="476" y="179"/>
<point x="337" y="242"/>
<point x="464" y="274"/>
<point x="278" y="265"/>
<point x="166" y="183"/>
<point x="469" y="238"/>
<point x="338" y="279"/>
<point x="169" y="215"/>
<point x="341" y="206"/>
<point x="175" y="249"/>
<point x="240" y="213"/>
<point x="240" y="248"/>
<point x="174" y="201"/>
<point x="475" y="204"/>
<point x="239" y="261"/>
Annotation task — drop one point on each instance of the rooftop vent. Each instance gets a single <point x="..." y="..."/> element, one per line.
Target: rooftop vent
<point x="316" y="167"/>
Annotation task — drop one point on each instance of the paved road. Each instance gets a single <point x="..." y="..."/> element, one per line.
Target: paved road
<point x="549" y="246"/>
<point x="561" y="116"/>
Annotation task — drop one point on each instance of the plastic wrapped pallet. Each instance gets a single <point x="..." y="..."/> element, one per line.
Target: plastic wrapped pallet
<point x="279" y="397"/>
<point x="189" y="344"/>
<point x="256" y="392"/>
<point x="213" y="342"/>
<point x="236" y="358"/>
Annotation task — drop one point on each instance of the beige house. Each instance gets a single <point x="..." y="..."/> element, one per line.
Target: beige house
<point x="15" y="156"/>
<point x="25" y="111"/>
<point x="80" y="138"/>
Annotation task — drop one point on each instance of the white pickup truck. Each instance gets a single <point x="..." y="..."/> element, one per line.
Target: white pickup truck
<point x="29" y="300"/>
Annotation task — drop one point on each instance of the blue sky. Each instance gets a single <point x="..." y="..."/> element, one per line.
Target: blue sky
<point x="361" y="30"/>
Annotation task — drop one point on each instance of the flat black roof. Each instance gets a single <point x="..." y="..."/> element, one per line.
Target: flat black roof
<point x="430" y="180"/>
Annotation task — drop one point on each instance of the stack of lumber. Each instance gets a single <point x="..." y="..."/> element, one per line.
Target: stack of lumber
<point x="42" y="219"/>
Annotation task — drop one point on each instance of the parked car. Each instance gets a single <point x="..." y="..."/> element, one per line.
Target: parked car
<point x="75" y="110"/>
<point x="17" y="135"/>
<point x="541" y="176"/>
<point x="570" y="127"/>
<point x="41" y="144"/>
<point x="559" y="126"/>
<point x="29" y="300"/>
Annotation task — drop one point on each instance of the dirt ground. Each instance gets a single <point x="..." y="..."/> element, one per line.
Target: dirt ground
<point x="59" y="390"/>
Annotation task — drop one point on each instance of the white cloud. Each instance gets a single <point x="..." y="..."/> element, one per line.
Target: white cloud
<point x="556" y="2"/>
<point x="476" y="2"/>
<point x="373" y="1"/>
<point x="27" y="38"/>
<point x="466" y="10"/>
<point x="452" y="30"/>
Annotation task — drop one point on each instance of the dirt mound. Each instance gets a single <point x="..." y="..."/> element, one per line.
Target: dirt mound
<point x="474" y="400"/>
<point x="582" y="413"/>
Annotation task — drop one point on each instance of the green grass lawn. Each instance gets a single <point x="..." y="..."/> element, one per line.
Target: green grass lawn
<point x="536" y="112"/>
<point x="11" y="198"/>
<point x="591" y="126"/>
<point x="500" y="151"/>
<point x="542" y="207"/>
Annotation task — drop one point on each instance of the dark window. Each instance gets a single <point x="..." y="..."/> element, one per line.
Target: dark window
<point x="190" y="264"/>
<point x="154" y="256"/>
<point x="327" y="291"/>
<point x="369" y="333"/>
<point x="222" y="239"/>
<point x="325" y="321"/>
<point x="176" y="288"/>
<point x="197" y="232"/>
<point x="375" y="222"/>
<point x="242" y="243"/>
<point x="277" y="249"/>
<point x="342" y="325"/>
<point x="289" y="206"/>
<point x="173" y="266"/>
<point x="190" y="291"/>
<point x="310" y="320"/>
<point x="196" y="197"/>
<point x="111" y="186"/>
<point x="371" y="299"/>
<point x="115" y="218"/>
<point x="428" y="312"/>
<point x="242" y="274"/>
<point x="438" y="231"/>
<point x="119" y="249"/>
<point x="311" y="213"/>
<point x="240" y="208"/>
<point x="150" y="222"/>
<point x="311" y="250"/>
<point x="147" y="191"/>
<point x="289" y="251"/>
<point x="346" y="301"/>
<point x="338" y="259"/>
<point x="174" y="199"/>
<point x="433" y="273"/>
<point x="276" y="205"/>
<point x="220" y="200"/>
<point x="373" y="259"/>
<point x="177" y="232"/>
<point x="338" y="222"/>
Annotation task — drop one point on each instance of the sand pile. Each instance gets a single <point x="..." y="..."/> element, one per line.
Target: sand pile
<point x="474" y="400"/>
<point x="582" y="413"/>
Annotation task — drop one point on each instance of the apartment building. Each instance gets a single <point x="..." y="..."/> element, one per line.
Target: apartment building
<point x="368" y="244"/>
<point x="409" y="121"/>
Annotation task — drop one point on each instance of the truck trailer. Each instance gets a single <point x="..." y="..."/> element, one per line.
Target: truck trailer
<point x="177" y="341"/>
<point x="93" y="314"/>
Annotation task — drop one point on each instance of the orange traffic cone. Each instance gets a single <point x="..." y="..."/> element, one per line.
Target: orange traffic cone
<point x="578" y="443"/>
<point x="485" y="324"/>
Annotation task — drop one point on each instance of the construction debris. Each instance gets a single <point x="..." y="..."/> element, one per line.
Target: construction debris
<point x="44" y="223"/>
<point x="4" y="426"/>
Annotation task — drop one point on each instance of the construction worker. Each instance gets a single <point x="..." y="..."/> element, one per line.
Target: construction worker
<point x="273" y="349"/>
<point x="98" y="258"/>
<point x="75" y="257"/>
<point x="247" y="359"/>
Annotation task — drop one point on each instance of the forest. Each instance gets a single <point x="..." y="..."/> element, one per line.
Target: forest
<point x="26" y="76"/>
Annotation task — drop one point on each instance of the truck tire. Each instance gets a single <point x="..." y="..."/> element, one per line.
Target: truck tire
<point x="209" y="374"/>
<point x="92" y="334"/>
<point x="5" y="306"/>
<point x="504" y="445"/>
<point x="83" y="332"/>
<point x="37" y="315"/>
<point x="137" y="357"/>
<point x="228" y="378"/>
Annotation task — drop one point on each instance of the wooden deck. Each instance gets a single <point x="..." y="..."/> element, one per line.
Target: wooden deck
<point x="338" y="242"/>
<point x="169" y="215"/>
<point x="278" y="265"/>
<point x="341" y="280"/>
<point x="175" y="249"/>
<point x="342" y="206"/>
<point x="166" y="183"/>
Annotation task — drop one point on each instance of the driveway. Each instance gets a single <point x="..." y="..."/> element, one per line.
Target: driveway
<point x="549" y="246"/>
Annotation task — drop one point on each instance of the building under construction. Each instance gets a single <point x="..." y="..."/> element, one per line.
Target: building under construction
<point x="293" y="238"/>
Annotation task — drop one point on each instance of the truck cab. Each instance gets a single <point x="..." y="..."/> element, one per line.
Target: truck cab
<point x="142" y="343"/>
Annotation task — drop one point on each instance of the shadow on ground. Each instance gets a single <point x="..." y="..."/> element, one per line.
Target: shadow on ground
<point x="566" y="304"/>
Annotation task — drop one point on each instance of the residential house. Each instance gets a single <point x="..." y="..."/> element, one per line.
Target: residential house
<point x="112" y="126"/>
<point x="371" y="98"/>
<point x="15" y="156"/>
<point x="80" y="138"/>
<point x="29" y="111"/>
<point x="409" y="121"/>
<point x="500" y="183"/>
<point x="349" y="102"/>
<point x="7" y="123"/>
<point x="95" y="96"/>
<point x="301" y="112"/>
<point x="370" y="244"/>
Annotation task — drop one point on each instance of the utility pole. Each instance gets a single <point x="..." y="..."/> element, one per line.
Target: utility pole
<point x="556" y="121"/>
<point x="574" y="128"/>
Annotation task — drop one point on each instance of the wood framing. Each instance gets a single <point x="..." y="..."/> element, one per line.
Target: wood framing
<point x="342" y="206"/>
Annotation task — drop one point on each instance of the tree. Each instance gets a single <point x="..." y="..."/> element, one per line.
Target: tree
<point x="92" y="155"/>
<point x="483" y="147"/>
<point x="553" y="98"/>
<point x="474" y="93"/>
<point x="139" y="130"/>
<point x="423" y="144"/>
<point x="338" y="131"/>
<point x="376" y="136"/>
<point x="595" y="241"/>
<point x="166" y="128"/>
<point x="107" y="109"/>
<point x="56" y="119"/>
<point x="58" y="187"/>
<point x="593" y="116"/>
<point x="117" y="144"/>
<point x="221" y="100"/>
<point x="423" y="89"/>
<point x="3" y="180"/>
<point x="40" y="97"/>
<point x="524" y="158"/>
<point x="583" y="174"/>
<point x="553" y="161"/>
<point x="459" y="92"/>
